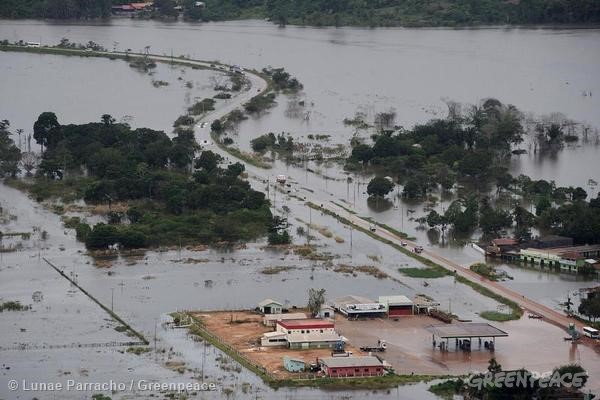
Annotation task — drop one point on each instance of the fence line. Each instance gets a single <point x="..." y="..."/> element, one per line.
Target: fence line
<point x="228" y="349"/>
<point x="109" y="311"/>
<point x="28" y="346"/>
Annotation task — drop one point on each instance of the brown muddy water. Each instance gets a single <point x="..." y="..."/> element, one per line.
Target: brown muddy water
<point x="414" y="71"/>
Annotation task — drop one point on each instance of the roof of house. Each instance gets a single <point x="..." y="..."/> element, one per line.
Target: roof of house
<point x="308" y="323"/>
<point x="551" y="238"/>
<point x="124" y="7"/>
<point x="397" y="300"/>
<point x="140" y="6"/>
<point x="559" y="251"/>
<point x="351" y="299"/>
<point x="363" y="308"/>
<point x="271" y="335"/>
<point x="312" y="338"/>
<point x="279" y="317"/>
<point x="571" y="255"/>
<point x="288" y="359"/>
<point x="466" y="330"/>
<point x="266" y="302"/>
<point x="358" y="361"/>
<point x="505" y="242"/>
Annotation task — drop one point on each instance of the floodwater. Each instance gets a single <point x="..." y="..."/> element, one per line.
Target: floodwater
<point x="414" y="71"/>
<point x="80" y="90"/>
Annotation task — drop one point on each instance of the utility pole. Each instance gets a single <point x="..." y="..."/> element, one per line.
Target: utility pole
<point x="155" y="354"/>
<point x="203" y="358"/>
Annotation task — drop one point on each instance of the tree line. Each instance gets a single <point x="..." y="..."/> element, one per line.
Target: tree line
<point x="469" y="152"/>
<point x="333" y="12"/>
<point x="471" y="147"/>
<point x="55" y="9"/>
<point x="174" y="193"/>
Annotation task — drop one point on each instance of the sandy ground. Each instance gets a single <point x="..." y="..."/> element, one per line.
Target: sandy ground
<point x="243" y="329"/>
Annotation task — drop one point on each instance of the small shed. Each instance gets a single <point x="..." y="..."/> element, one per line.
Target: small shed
<point x="270" y="306"/>
<point x="293" y="364"/>
<point x="326" y="312"/>
<point x="270" y="339"/>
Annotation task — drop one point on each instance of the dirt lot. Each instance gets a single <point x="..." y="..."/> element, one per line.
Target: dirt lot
<point x="532" y="344"/>
<point x="243" y="329"/>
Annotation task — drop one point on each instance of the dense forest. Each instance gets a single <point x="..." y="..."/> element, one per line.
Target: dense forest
<point x="55" y="9"/>
<point x="334" y="12"/>
<point x="159" y="191"/>
<point x="470" y="152"/>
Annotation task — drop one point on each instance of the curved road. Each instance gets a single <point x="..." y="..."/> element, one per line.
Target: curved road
<point x="259" y="85"/>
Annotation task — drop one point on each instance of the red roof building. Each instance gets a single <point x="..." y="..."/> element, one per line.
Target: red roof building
<point x="140" y="6"/>
<point x="305" y="325"/>
<point x="341" y="367"/>
<point x="505" y="242"/>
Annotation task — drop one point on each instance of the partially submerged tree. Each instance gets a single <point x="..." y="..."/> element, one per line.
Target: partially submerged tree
<point x="10" y="155"/>
<point x="379" y="187"/>
<point x="316" y="299"/>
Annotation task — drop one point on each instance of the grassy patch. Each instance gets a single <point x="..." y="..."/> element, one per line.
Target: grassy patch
<point x="13" y="306"/>
<point x="484" y="270"/>
<point x="260" y="103"/>
<point x="516" y="310"/>
<point x="497" y="316"/>
<point x="344" y="207"/>
<point x="447" y="389"/>
<point x="395" y="231"/>
<point x="365" y="269"/>
<point x="275" y="270"/>
<point x="252" y="159"/>
<point x="429" y="273"/>
<point x="138" y="351"/>
<point x="371" y="383"/>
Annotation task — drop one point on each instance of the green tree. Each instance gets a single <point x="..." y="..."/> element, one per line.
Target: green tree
<point x="101" y="236"/>
<point x="542" y="205"/>
<point x="590" y="307"/>
<point x="43" y="128"/>
<point x="166" y="7"/>
<point x="363" y="153"/>
<point x="208" y="161"/>
<point x="279" y="238"/>
<point x="493" y="220"/>
<point x="316" y="299"/>
<point x="379" y="187"/>
<point x="217" y="126"/>
<point x="10" y="155"/>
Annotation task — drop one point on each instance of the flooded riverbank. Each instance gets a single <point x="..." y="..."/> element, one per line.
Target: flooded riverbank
<point x="413" y="71"/>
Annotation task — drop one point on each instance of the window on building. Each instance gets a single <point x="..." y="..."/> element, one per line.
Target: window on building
<point x="334" y="370"/>
<point x="356" y="370"/>
<point x="366" y="369"/>
<point x="321" y="330"/>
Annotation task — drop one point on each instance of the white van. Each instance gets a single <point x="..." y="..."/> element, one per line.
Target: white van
<point x="591" y="332"/>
